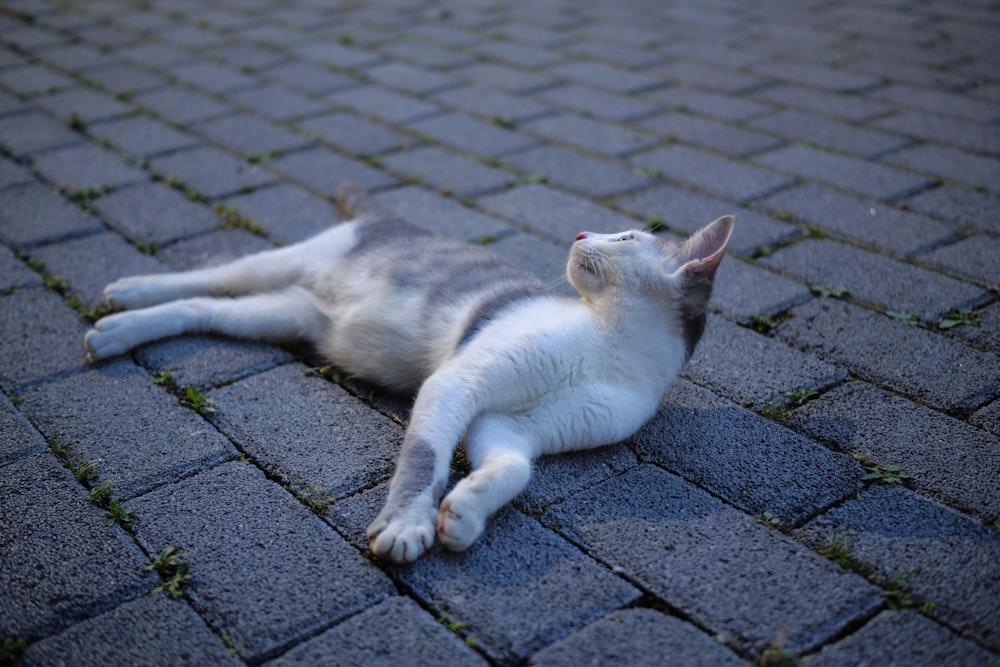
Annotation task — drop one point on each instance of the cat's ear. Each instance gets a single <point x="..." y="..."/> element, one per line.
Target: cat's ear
<point x="700" y="254"/>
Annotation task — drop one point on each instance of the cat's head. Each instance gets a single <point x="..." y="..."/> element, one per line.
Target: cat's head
<point x="603" y="266"/>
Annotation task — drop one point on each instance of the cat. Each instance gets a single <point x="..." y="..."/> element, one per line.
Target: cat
<point x="493" y="356"/>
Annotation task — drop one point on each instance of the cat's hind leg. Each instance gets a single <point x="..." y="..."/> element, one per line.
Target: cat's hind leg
<point x="285" y="316"/>
<point x="501" y="461"/>
<point x="261" y="272"/>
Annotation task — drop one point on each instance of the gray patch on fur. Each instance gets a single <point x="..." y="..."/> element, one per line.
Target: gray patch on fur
<point x="414" y="475"/>
<point x="373" y="234"/>
<point x="492" y="307"/>
<point x="693" y="303"/>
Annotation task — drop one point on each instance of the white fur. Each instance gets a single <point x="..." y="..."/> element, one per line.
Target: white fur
<point x="548" y="375"/>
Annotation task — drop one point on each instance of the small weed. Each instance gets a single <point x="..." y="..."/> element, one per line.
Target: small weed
<point x="841" y="552"/>
<point x="829" y="291"/>
<point x="763" y="250"/>
<point x="54" y="282"/>
<point x="454" y="626"/>
<point x="114" y="512"/>
<point x="147" y="248"/>
<point x="813" y="232"/>
<point x="60" y="450"/>
<point x="85" y="196"/>
<point x="374" y="160"/>
<point x="101" y="495"/>
<point x="960" y="316"/>
<point x="503" y="121"/>
<point x="897" y="593"/>
<point x="260" y="158"/>
<point x="316" y="498"/>
<point x="536" y="178"/>
<point x="346" y="40"/>
<point x="762" y="324"/>
<point x="769" y="519"/>
<point x="11" y="649"/>
<point x="197" y="401"/>
<point x="801" y="396"/>
<point x="486" y="240"/>
<point x="76" y="122"/>
<point x="656" y="224"/>
<point x="777" y="656"/>
<point x="885" y="474"/>
<point x="649" y="173"/>
<point x="84" y="471"/>
<point x="775" y="413"/>
<point x="172" y="569"/>
<point x="236" y="220"/>
<point x="905" y="318"/>
<point x="783" y="214"/>
<point x="164" y="378"/>
<point x="88" y="312"/>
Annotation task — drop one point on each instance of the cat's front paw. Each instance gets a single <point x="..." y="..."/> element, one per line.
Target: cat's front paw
<point x="402" y="538"/>
<point x="109" y="337"/>
<point x="460" y="520"/>
<point x="133" y="292"/>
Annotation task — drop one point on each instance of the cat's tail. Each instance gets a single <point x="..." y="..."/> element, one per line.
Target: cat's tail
<point x="353" y="202"/>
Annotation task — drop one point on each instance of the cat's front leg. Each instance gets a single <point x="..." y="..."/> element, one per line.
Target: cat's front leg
<point x="501" y="460"/>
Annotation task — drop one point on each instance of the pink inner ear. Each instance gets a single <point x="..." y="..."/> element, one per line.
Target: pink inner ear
<point x="706" y="248"/>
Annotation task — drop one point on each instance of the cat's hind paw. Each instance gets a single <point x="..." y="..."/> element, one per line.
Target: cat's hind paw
<point x="107" y="339"/>
<point x="459" y="523"/>
<point x="134" y="292"/>
<point x="400" y="540"/>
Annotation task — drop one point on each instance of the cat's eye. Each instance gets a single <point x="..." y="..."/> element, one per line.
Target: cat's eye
<point x="626" y="237"/>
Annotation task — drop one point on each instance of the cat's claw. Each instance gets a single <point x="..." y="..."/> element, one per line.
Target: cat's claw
<point x="400" y="540"/>
<point x="459" y="524"/>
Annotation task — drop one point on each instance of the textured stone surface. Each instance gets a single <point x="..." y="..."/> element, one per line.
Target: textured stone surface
<point x="17" y="436"/>
<point x="210" y="171"/>
<point x="441" y="215"/>
<point x="449" y="172"/>
<point x="32" y="213"/>
<point x="577" y="172"/>
<point x="154" y="213"/>
<point x="287" y="214"/>
<point x="556" y="215"/>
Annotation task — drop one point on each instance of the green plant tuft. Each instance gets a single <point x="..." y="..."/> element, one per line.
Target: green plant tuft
<point x="960" y="316"/>
<point x="197" y="401"/>
<point x="801" y="396"/>
<point x="905" y="318"/>
<point x="829" y="291"/>
<point x="762" y="324"/>
<point x="885" y="474"/>
<point x="173" y="570"/>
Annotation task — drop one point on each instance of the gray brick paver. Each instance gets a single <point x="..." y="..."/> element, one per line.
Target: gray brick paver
<point x="857" y="147"/>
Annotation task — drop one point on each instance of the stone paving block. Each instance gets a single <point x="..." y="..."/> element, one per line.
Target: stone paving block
<point x="985" y="334"/>
<point x="976" y="257"/>
<point x="212" y="78"/>
<point x="251" y="56"/>
<point x="639" y="637"/>
<point x="323" y="170"/>
<point x="945" y="103"/>
<point x="82" y="103"/>
<point x="427" y="55"/>
<point x="34" y="131"/>
<point x="262" y="541"/>
<point x="250" y="136"/>
<point x="18" y="438"/>
<point x="154" y="213"/>
<point x="943" y="557"/>
<point x="288" y="214"/>
<point x="124" y="79"/>
<point x="148" y="630"/>
<point x="87" y="166"/>
<point x="32" y="213"/>
<point x="441" y="215"/>
<point x="521" y="55"/>
<point x="988" y="417"/>
<point x="338" y="55"/>
<point x="945" y="458"/>
<point x="493" y="104"/>
<point x="210" y="171"/>
<point x="689" y="73"/>
<point x="910" y="360"/>
<point x="14" y="273"/>
<point x="806" y="127"/>
<point x="827" y="78"/>
<point x="325" y="441"/>
<point x="406" y="635"/>
<point x="605" y="76"/>
<point x="755" y="463"/>
<point x="277" y="102"/>
<point x="519" y="587"/>
<point x="839" y="105"/>
<point x="726" y="352"/>
<point x="556" y="478"/>
<point x="972" y="208"/>
<point x="728" y="178"/>
<point x="690" y="541"/>
<point x="469" y="135"/>
<point x="39" y="338"/>
<point x="209" y="361"/>
<point x="144" y="437"/>
<point x="12" y="173"/>
<point x="30" y="80"/>
<point x="556" y="215"/>
<point x="355" y="135"/>
<point x="596" y="102"/>
<point x="575" y="171"/>
<point x="91" y="262"/>
<point x="715" y="105"/>
<point x="590" y="134"/>
<point x="942" y="129"/>
<point x="743" y="289"/>
<point x="870" y="222"/>
<point x="212" y="249"/>
<point x="384" y="104"/>
<point x="505" y="78"/>
<point x="949" y="164"/>
<point x="867" y="178"/>
<point x="689" y="129"/>
<point x="181" y="105"/>
<point x="62" y="562"/>
<point x="308" y="78"/>
<point x="410" y="78"/>
<point x="10" y="103"/>
<point x="141" y="136"/>
<point x="456" y="174"/>
<point x="901" y="637"/>
<point x="876" y="279"/>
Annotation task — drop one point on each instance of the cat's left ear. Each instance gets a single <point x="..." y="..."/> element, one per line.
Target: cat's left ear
<point x="701" y="253"/>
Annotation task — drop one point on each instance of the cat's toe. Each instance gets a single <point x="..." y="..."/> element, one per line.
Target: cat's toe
<point x="458" y="527"/>
<point x="401" y="542"/>
<point x="108" y="338"/>
<point x="128" y="293"/>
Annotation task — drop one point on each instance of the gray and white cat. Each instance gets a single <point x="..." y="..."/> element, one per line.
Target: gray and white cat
<point x="494" y="358"/>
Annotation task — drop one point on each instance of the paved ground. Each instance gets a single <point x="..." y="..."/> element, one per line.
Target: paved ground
<point x="823" y="485"/>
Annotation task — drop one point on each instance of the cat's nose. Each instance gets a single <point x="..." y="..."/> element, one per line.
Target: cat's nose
<point x="582" y="235"/>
